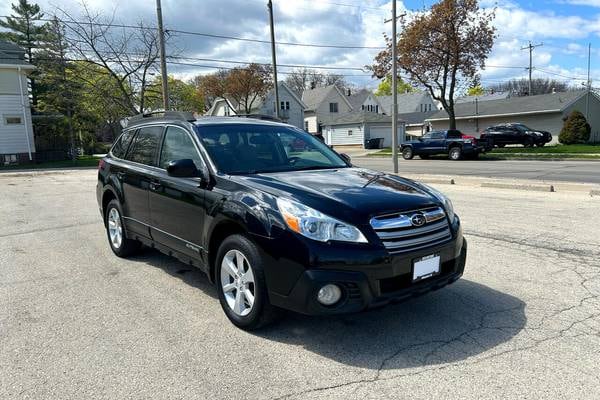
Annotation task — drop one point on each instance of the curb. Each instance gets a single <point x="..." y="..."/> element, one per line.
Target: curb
<point x="33" y="172"/>
<point x="536" y="188"/>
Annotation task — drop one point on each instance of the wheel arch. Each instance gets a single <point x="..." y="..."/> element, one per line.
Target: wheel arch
<point x="218" y="234"/>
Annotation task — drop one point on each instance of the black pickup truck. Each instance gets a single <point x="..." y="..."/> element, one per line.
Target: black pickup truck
<point x="451" y="142"/>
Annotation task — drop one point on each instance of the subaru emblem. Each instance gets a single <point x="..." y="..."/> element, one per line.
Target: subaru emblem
<point x="418" y="220"/>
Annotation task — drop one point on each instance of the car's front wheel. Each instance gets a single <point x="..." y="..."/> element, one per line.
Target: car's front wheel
<point x="241" y="284"/>
<point x="407" y="153"/>
<point x="117" y="236"/>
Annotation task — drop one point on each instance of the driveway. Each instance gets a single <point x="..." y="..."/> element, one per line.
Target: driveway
<point x="76" y="322"/>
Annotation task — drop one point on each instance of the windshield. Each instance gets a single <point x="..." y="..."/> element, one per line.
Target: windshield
<point x="249" y="149"/>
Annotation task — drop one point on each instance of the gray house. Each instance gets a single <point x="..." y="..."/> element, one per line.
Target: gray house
<point x="16" y="132"/>
<point x="356" y="128"/>
<point x="408" y="103"/>
<point x="291" y="107"/>
<point x="323" y="104"/>
<point x="543" y="112"/>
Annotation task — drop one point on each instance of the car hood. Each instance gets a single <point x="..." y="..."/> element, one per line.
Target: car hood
<point x="345" y="193"/>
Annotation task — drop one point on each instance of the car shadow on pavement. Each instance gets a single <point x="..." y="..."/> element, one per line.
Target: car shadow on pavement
<point x="187" y="273"/>
<point x="449" y="325"/>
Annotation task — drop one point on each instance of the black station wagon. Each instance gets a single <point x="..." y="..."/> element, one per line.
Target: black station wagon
<point x="275" y="218"/>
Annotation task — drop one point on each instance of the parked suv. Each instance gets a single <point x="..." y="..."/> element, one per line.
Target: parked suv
<point x="501" y="135"/>
<point x="275" y="225"/>
<point x="451" y="142"/>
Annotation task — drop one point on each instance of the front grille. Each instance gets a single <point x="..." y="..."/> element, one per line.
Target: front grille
<point x="399" y="234"/>
<point x="352" y="290"/>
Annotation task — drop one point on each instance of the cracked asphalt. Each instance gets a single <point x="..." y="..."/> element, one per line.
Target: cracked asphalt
<point x="77" y="322"/>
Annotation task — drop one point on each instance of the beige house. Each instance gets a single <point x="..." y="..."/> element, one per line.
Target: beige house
<point x="16" y="132"/>
<point x="323" y="104"/>
<point x="543" y="112"/>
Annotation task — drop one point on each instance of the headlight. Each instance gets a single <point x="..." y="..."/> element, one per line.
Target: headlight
<point x="444" y="199"/>
<point x="316" y="225"/>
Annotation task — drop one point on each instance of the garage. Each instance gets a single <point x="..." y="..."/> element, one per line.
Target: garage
<point x="356" y="128"/>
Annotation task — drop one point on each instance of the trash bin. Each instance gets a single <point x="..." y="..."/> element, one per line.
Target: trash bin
<point x="374" y="143"/>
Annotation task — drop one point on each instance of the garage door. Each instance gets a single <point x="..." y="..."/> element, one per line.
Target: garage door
<point x="385" y="133"/>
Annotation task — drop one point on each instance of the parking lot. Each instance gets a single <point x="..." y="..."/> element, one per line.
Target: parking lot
<point x="77" y="322"/>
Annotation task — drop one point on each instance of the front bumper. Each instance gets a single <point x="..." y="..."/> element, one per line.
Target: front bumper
<point x="375" y="285"/>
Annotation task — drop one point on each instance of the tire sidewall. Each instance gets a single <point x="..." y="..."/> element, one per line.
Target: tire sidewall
<point x="115" y="204"/>
<point x="407" y="153"/>
<point x="252" y="254"/>
<point x="457" y="151"/>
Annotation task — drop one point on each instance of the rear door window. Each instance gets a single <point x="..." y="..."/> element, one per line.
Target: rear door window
<point x="145" y="145"/>
<point x="120" y="147"/>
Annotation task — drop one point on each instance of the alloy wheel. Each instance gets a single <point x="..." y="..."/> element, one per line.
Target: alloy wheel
<point x="237" y="282"/>
<point x="115" y="229"/>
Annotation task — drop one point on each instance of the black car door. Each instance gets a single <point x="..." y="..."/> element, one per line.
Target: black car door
<point x="177" y="207"/>
<point x="136" y="177"/>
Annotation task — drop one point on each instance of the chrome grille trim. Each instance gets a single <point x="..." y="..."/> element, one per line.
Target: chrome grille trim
<point x="398" y="234"/>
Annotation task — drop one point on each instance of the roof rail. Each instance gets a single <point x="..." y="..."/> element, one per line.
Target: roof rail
<point x="264" y="117"/>
<point x="180" y="115"/>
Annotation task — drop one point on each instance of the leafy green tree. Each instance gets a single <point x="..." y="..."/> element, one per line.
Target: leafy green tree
<point x="183" y="96"/>
<point x="476" y="91"/>
<point x="576" y="129"/>
<point x="385" y="87"/>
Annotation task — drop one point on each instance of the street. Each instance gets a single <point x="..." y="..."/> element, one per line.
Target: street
<point x="524" y="321"/>
<point x="568" y="171"/>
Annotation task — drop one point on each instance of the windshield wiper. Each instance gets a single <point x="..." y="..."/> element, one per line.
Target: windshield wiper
<point x="313" y="167"/>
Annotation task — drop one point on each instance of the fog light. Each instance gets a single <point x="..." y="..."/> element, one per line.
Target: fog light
<point x="329" y="294"/>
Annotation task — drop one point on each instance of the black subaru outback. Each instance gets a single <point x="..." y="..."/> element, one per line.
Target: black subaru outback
<point x="275" y="218"/>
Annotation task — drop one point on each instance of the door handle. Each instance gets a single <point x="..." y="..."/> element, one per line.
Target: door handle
<point x="155" y="185"/>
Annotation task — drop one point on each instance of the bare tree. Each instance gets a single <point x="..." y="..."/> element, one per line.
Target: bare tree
<point x="129" y="56"/>
<point x="303" y="79"/>
<point x="520" y="87"/>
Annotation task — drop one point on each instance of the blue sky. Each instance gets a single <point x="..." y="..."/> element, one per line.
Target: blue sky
<point x="564" y="26"/>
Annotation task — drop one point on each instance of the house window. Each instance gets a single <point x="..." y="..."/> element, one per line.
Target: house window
<point x="306" y="126"/>
<point x="362" y="107"/>
<point x="12" y="120"/>
<point x="349" y="132"/>
<point x="333" y="107"/>
<point x="377" y="109"/>
<point x="227" y="111"/>
<point x="10" y="159"/>
<point x="284" y="105"/>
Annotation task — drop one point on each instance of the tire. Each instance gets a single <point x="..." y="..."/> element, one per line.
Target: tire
<point x="115" y="232"/>
<point x="540" y="144"/>
<point x="407" y="153"/>
<point x="528" y="142"/>
<point x="455" y="153"/>
<point x="501" y="145"/>
<point x="235" y="288"/>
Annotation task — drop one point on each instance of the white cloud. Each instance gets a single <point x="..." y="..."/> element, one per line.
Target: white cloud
<point x="590" y="3"/>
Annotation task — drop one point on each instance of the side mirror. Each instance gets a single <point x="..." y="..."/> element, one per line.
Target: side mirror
<point x="183" y="168"/>
<point x="346" y="158"/>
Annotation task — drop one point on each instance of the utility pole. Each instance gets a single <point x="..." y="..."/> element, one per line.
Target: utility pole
<point x="163" y="61"/>
<point x="589" y="84"/>
<point x="274" y="57"/>
<point x="394" y="21"/>
<point x="530" y="47"/>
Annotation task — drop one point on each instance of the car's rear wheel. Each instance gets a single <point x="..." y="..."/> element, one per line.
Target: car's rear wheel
<point x="455" y="153"/>
<point x="424" y="157"/>
<point x="528" y="142"/>
<point x="541" y="144"/>
<point x="501" y="145"/>
<point x="241" y="284"/>
<point x="407" y="153"/>
<point x="117" y="236"/>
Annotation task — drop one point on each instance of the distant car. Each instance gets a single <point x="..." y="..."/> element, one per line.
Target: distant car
<point x="516" y="133"/>
<point x="450" y="142"/>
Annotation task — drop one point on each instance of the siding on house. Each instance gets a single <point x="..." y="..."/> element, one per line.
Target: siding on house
<point x="311" y="118"/>
<point x="340" y="135"/>
<point x="321" y="107"/>
<point x="13" y="138"/>
<point x="293" y="116"/>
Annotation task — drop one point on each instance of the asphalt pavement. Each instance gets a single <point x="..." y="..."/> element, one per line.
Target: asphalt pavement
<point x="565" y="171"/>
<point x="76" y="322"/>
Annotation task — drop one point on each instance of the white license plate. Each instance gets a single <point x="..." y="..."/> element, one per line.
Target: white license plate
<point x="426" y="267"/>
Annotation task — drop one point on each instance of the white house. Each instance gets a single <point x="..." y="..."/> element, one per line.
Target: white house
<point x="16" y="132"/>
<point x="323" y="104"/>
<point x="357" y="127"/>
<point x="291" y="107"/>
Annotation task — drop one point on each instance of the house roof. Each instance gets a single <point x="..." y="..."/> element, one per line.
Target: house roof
<point x="314" y="97"/>
<point x="543" y="103"/>
<point x="407" y="102"/>
<point x="12" y="55"/>
<point x="356" y="117"/>
<point x="357" y="99"/>
<point x="416" y="118"/>
<point x="485" y="97"/>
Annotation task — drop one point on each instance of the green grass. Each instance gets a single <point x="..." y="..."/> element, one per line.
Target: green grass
<point x="82" y="161"/>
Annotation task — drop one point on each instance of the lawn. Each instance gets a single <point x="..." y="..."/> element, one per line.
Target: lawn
<point x="82" y="161"/>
